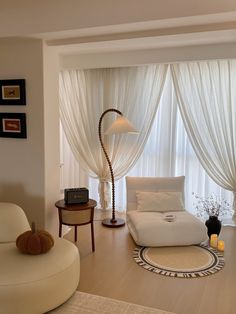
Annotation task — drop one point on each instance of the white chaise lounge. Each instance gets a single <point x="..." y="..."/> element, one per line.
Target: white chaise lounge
<point x="149" y="201"/>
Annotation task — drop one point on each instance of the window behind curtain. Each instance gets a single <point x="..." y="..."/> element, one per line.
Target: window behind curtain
<point x="168" y="152"/>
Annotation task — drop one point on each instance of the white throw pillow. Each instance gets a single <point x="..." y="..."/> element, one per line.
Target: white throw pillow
<point x="159" y="201"/>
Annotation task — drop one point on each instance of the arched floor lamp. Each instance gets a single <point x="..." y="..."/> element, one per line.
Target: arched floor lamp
<point x="120" y="125"/>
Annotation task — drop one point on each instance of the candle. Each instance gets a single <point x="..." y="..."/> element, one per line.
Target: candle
<point x="221" y="245"/>
<point x="214" y="240"/>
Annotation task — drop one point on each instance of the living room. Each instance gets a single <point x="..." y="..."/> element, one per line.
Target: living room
<point x="92" y="35"/>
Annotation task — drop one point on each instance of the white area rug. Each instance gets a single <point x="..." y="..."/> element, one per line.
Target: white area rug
<point x="84" y="303"/>
<point x="180" y="261"/>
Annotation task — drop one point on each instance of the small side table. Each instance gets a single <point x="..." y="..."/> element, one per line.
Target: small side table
<point x="76" y="215"/>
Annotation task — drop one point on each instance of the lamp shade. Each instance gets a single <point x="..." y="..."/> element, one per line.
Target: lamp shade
<point x="121" y="125"/>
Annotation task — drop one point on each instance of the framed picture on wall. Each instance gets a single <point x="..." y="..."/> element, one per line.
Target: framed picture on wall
<point x="12" y="92"/>
<point x="13" y="125"/>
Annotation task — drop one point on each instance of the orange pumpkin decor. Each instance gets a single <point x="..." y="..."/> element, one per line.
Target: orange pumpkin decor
<point x="34" y="241"/>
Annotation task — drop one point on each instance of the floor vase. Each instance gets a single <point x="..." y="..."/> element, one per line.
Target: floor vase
<point x="213" y="226"/>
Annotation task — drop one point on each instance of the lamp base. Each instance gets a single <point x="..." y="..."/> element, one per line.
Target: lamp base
<point x="113" y="224"/>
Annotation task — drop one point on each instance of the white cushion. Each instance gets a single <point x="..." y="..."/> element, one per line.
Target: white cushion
<point x="159" y="201"/>
<point x="151" y="184"/>
<point x="151" y="229"/>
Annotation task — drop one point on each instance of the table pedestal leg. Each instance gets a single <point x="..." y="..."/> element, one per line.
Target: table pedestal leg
<point x="60" y="230"/>
<point x="75" y="233"/>
<point x="92" y="236"/>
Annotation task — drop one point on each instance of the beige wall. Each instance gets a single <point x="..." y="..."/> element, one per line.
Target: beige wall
<point x="51" y="144"/>
<point x="24" y="178"/>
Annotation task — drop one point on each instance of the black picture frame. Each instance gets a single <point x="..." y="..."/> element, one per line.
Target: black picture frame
<point x="13" y="125"/>
<point x="12" y="92"/>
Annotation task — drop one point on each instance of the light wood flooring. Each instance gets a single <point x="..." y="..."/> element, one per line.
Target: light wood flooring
<point x="111" y="272"/>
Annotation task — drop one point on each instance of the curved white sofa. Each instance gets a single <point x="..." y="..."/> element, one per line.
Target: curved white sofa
<point x="149" y="228"/>
<point x="33" y="284"/>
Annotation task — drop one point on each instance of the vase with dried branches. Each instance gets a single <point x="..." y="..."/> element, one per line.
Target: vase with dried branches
<point x="214" y="207"/>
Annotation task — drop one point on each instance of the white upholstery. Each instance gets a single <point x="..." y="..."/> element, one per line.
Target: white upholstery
<point x="151" y="184"/>
<point x="150" y="228"/>
<point x="159" y="201"/>
<point x="35" y="284"/>
<point x="13" y="222"/>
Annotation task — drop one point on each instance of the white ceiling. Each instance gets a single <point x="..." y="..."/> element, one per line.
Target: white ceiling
<point x="178" y="32"/>
<point x="91" y="26"/>
<point x="24" y="17"/>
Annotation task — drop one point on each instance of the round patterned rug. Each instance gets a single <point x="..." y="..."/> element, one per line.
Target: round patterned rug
<point x="180" y="261"/>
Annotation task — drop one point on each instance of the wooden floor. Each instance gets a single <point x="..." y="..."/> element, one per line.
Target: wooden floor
<point x="112" y="272"/>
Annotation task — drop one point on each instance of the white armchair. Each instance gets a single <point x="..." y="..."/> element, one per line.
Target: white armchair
<point x="33" y="284"/>
<point x="146" y="213"/>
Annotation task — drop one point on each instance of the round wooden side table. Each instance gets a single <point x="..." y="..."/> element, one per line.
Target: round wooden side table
<point x="76" y="215"/>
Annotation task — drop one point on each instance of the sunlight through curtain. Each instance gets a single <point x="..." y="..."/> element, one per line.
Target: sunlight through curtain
<point x="85" y="94"/>
<point x="207" y="100"/>
<point x="168" y="152"/>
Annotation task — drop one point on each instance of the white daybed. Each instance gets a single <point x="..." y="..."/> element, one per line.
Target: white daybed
<point x="149" y="201"/>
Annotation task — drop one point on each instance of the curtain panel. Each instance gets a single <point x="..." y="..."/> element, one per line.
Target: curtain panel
<point x="85" y="94"/>
<point x="206" y="96"/>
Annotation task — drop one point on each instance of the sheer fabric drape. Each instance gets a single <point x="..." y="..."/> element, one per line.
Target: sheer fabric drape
<point x="207" y="100"/>
<point x="168" y="152"/>
<point x="85" y="94"/>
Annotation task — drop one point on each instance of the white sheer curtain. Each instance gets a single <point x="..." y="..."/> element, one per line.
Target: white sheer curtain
<point x="207" y="99"/>
<point x="85" y="94"/>
<point x="71" y="174"/>
<point x="167" y="152"/>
